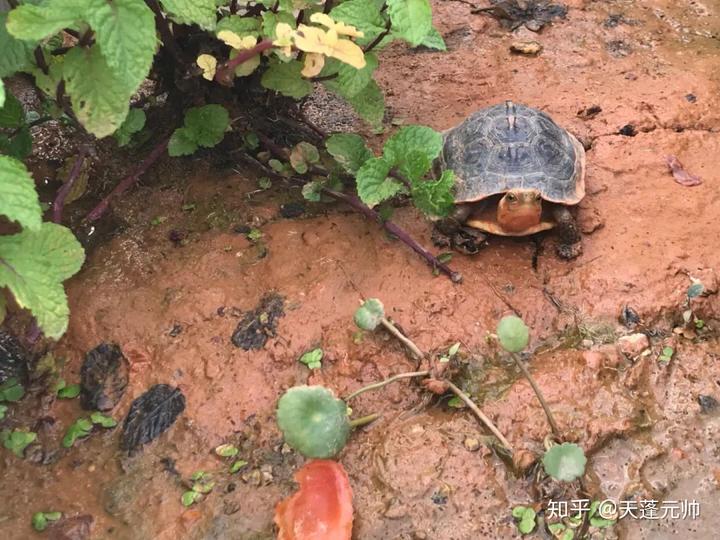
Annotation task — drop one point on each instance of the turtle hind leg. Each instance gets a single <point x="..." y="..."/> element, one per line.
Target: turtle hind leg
<point x="570" y="240"/>
<point x="451" y="231"/>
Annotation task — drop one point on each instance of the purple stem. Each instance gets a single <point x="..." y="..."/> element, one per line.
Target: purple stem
<point x="33" y="333"/>
<point x="65" y="189"/>
<point x="224" y="72"/>
<point x="127" y="182"/>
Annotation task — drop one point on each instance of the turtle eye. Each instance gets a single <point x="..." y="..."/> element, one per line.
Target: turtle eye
<point x="538" y="197"/>
<point x="511" y="197"/>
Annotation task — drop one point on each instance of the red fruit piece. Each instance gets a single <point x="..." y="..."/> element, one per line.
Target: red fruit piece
<point x="321" y="509"/>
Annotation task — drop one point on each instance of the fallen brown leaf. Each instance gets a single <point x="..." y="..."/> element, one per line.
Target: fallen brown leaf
<point x="681" y="176"/>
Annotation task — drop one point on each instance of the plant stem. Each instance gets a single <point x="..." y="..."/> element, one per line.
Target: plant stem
<point x="484" y="419"/>
<point x="375" y="42"/>
<point x="40" y="60"/>
<point x="364" y="420"/>
<point x="224" y="72"/>
<point x="405" y="341"/>
<point x="62" y="193"/>
<point x="375" y="386"/>
<point x="97" y="212"/>
<point x="538" y="393"/>
<point x="165" y="33"/>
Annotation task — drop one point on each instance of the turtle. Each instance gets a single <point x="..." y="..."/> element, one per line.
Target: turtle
<point x="516" y="174"/>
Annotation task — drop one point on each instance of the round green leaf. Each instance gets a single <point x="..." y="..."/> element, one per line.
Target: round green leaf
<point x="313" y="421"/>
<point x="370" y="314"/>
<point x="565" y="462"/>
<point x="513" y="333"/>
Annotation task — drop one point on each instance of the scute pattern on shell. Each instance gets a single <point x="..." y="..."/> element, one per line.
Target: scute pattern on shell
<point x="490" y="156"/>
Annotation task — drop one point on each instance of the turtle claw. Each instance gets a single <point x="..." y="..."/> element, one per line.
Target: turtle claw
<point x="465" y="240"/>
<point x="569" y="251"/>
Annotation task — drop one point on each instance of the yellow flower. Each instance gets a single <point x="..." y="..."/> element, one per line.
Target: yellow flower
<point x="208" y="63"/>
<point x="283" y="38"/>
<point x="315" y="40"/>
<point x="314" y="63"/>
<point x="340" y="27"/>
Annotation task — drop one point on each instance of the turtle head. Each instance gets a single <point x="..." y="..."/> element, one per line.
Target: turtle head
<point x="519" y="209"/>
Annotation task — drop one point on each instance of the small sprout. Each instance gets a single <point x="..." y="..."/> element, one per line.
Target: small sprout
<point x="369" y="315"/>
<point x="11" y="390"/>
<point x="599" y="515"/>
<point x="313" y="421"/>
<point x="525" y="517"/>
<point x="40" y="519"/>
<point x="276" y="165"/>
<point x="513" y="334"/>
<point x="254" y="235"/>
<point x="189" y="207"/>
<point x="251" y="140"/>
<point x="81" y="428"/>
<point x="452" y="351"/>
<point x="239" y="464"/>
<point x="699" y="324"/>
<point x="203" y="487"/>
<point x="264" y="182"/>
<point x="158" y="220"/>
<point x="565" y="462"/>
<point x="456" y="403"/>
<point x="3" y="410"/>
<point x="312" y="358"/>
<point x="198" y="475"/>
<point x="227" y="450"/>
<point x="696" y="289"/>
<point x="302" y="156"/>
<point x="561" y="531"/>
<point x="190" y="497"/>
<point x="666" y="355"/>
<point x="16" y="441"/>
<point x="445" y="257"/>
<point x="68" y="392"/>
<point x="102" y="420"/>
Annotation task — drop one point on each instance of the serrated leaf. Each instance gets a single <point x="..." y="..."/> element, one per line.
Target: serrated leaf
<point x="134" y="122"/>
<point x="351" y="81"/>
<point x="207" y="124"/>
<point x="36" y="22"/>
<point x="434" y="41"/>
<point x="286" y="79"/>
<point x="16" y="54"/>
<point x="370" y="314"/>
<point x="373" y="184"/>
<point x="513" y="334"/>
<point x="11" y="113"/>
<point x="565" y="462"/>
<point x="99" y="97"/>
<point x="242" y="26"/>
<point x="435" y="197"/>
<point x="312" y="359"/>
<point x="413" y="165"/>
<point x="34" y="265"/>
<point x="413" y="138"/>
<point x="313" y="421"/>
<point x="200" y="12"/>
<point x="349" y="150"/>
<point x="369" y="103"/>
<point x="181" y="143"/>
<point x="18" y="198"/>
<point x="150" y="415"/>
<point x="363" y="15"/>
<point x="270" y="21"/>
<point x="411" y="19"/>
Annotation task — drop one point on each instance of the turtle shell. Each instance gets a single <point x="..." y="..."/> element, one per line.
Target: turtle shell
<point x="512" y="146"/>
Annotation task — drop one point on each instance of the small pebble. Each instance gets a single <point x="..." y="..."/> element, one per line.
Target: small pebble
<point x="692" y="98"/>
<point x="628" y="130"/>
<point x="471" y="444"/>
<point x="707" y="403"/>
<point x="529" y="48"/>
<point x="633" y="345"/>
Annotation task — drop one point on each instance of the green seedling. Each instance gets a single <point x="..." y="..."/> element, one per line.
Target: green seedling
<point x="560" y="531"/>
<point x="370" y="314"/>
<point x="525" y="518"/>
<point x="666" y="355"/>
<point x="3" y="411"/>
<point x="237" y="465"/>
<point x="227" y="450"/>
<point x="312" y="359"/>
<point x="17" y="440"/>
<point x="190" y="497"/>
<point x="40" y="520"/>
<point x="80" y="429"/>
<point x="596" y="519"/>
<point x="102" y="420"/>
<point x="68" y="391"/>
<point x="158" y="220"/>
<point x="565" y="462"/>
<point x="11" y="390"/>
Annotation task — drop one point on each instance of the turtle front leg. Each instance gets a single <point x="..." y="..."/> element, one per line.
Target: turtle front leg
<point x="570" y="240"/>
<point x="451" y="231"/>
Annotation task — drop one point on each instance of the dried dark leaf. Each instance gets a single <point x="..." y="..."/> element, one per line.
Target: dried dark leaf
<point x="104" y="377"/>
<point x="681" y="176"/>
<point x="257" y="325"/>
<point x="73" y="528"/>
<point x="13" y="359"/>
<point x="150" y="415"/>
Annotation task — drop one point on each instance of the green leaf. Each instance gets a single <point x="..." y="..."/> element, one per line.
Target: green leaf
<point x="242" y="26"/>
<point x="363" y="15"/>
<point x="452" y="351"/>
<point x="200" y="12"/>
<point x="351" y="81"/>
<point x="369" y="104"/>
<point x="565" y="462"/>
<point x="286" y="79"/>
<point x="17" y="440"/>
<point x="411" y="19"/>
<point x="413" y="165"/>
<point x="227" y="450"/>
<point x="596" y="520"/>
<point x="373" y="184"/>
<point x="456" y="403"/>
<point x="19" y="145"/>
<point x="312" y="358"/>
<point x="36" y="22"/>
<point x="12" y="114"/>
<point x="34" y="265"/>
<point x="434" y="41"/>
<point x="312" y="191"/>
<point x="207" y="124"/>
<point x="69" y="392"/>
<point x="182" y="143"/>
<point x="434" y="197"/>
<point x="513" y="333"/>
<point x="370" y="314"/>
<point x="302" y="156"/>
<point x="11" y="390"/>
<point x="190" y="497"/>
<point x="38" y="521"/>
<point x="99" y="96"/>
<point x="3" y="411"/>
<point x="203" y="487"/>
<point x="79" y="429"/>
<point x="349" y="150"/>
<point x="18" y="198"/>
<point x="2" y="93"/>
<point x="413" y="138"/>
<point x="239" y="464"/>
<point x="313" y="421"/>
<point x="102" y="420"/>
<point x="134" y="122"/>
<point x="271" y="20"/>
<point x="16" y="54"/>
<point x="526" y="517"/>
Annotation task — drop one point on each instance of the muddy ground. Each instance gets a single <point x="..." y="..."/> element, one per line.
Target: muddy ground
<point x="172" y="307"/>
